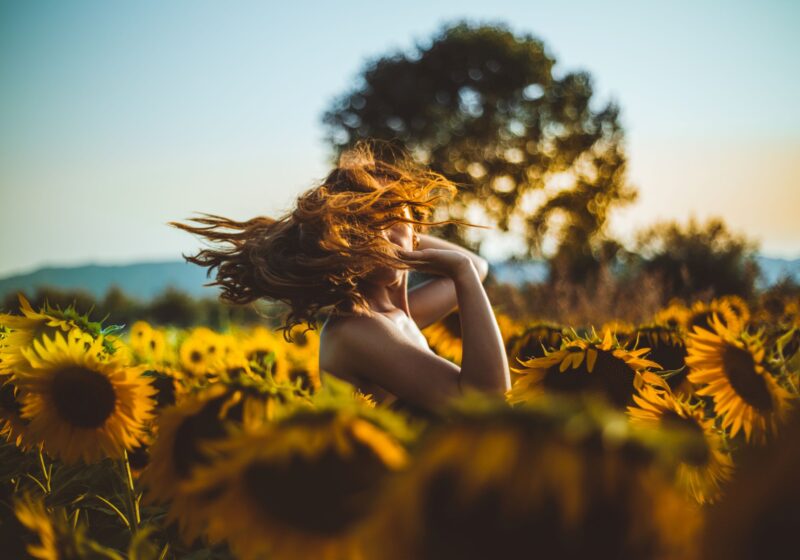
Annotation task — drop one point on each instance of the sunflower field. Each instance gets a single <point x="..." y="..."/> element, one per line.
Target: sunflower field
<point x="677" y="438"/>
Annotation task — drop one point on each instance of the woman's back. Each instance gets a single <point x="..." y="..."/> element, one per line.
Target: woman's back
<point x="331" y="359"/>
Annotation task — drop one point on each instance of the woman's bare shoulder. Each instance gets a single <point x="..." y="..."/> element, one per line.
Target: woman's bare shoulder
<point x="344" y="339"/>
<point x="339" y="329"/>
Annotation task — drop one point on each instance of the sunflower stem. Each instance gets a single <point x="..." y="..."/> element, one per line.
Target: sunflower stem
<point x="133" y="503"/>
<point x="116" y="510"/>
<point x="39" y="484"/>
<point x="45" y="472"/>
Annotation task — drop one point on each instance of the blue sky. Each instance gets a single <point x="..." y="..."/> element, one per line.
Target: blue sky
<point x="116" y="117"/>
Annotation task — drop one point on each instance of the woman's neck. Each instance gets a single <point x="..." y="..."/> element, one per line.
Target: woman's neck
<point x="388" y="297"/>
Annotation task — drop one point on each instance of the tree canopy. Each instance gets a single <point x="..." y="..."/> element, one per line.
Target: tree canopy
<point x="699" y="259"/>
<point x="483" y="107"/>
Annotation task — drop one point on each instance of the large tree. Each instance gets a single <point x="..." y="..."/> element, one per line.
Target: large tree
<point x="482" y="106"/>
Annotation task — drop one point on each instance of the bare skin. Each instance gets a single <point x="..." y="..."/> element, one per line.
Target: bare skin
<point x="385" y="355"/>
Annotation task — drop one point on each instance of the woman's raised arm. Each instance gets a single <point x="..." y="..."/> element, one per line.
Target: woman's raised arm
<point x="373" y="348"/>
<point x="436" y="298"/>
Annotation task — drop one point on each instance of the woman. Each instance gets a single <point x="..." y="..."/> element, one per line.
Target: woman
<point x="345" y="250"/>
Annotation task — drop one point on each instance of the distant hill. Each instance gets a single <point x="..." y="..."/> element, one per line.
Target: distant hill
<point x="139" y="280"/>
<point x="145" y="280"/>
<point x="773" y="269"/>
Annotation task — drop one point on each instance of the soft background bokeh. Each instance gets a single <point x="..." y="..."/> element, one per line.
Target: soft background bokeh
<point x="116" y="118"/>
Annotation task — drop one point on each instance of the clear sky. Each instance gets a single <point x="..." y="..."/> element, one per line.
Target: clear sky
<point x="116" y="117"/>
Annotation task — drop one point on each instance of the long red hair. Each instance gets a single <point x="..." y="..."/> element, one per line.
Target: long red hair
<point x="313" y="257"/>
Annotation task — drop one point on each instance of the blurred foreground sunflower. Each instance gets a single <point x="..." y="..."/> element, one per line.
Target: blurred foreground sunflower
<point x="49" y="537"/>
<point x="582" y="365"/>
<point x="500" y="483"/>
<point x="759" y="516"/>
<point x="299" y="488"/>
<point x="80" y="405"/>
<point x="702" y="470"/>
<point x="182" y="430"/>
<point x="730" y="368"/>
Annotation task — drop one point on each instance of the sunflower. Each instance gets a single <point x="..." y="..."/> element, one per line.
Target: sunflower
<point x="674" y="316"/>
<point x="167" y="381"/>
<point x="582" y="365"/>
<point x="231" y="365"/>
<point x="306" y="340"/>
<point x="139" y="335"/>
<point x="534" y="341"/>
<point x="78" y="405"/>
<point x="149" y="344"/>
<point x="198" y="351"/>
<point x="668" y="349"/>
<point x="183" y="429"/>
<point x="176" y="449"/>
<point x="21" y="331"/>
<point x="738" y="306"/>
<point x="708" y="465"/>
<point x="700" y="315"/>
<point x="622" y="330"/>
<point x="54" y="538"/>
<point x="774" y="307"/>
<point x="444" y="336"/>
<point x="731" y="369"/>
<point x="304" y="369"/>
<point x="266" y="349"/>
<point x="498" y="482"/>
<point x="13" y="427"/>
<point x="299" y="488"/>
<point x="759" y="516"/>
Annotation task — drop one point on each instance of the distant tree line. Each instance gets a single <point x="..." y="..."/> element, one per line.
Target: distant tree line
<point x="171" y="308"/>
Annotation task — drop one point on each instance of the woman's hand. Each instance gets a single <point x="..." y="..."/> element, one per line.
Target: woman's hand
<point x="444" y="262"/>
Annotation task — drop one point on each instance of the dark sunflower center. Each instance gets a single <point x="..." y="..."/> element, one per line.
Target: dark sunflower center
<point x="8" y="400"/>
<point x="702" y="320"/>
<point x="534" y="344"/>
<point x="301" y="339"/>
<point x="481" y="524"/>
<point x="669" y="357"/>
<point x="83" y="397"/>
<point x="303" y="375"/>
<point x="696" y="451"/>
<point x="205" y="425"/>
<point x="611" y="377"/>
<point x="258" y="355"/>
<point x="196" y="357"/>
<point x="165" y="385"/>
<point x="324" y="495"/>
<point x="740" y="369"/>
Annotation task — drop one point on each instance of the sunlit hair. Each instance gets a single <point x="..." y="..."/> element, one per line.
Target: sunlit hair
<point x="314" y="257"/>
